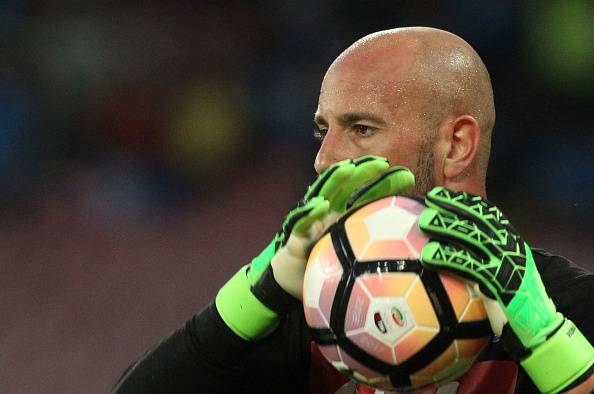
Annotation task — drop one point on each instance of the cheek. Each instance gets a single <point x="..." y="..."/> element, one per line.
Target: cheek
<point x="400" y="153"/>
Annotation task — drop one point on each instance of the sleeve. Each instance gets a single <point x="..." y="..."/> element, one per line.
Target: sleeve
<point x="203" y="354"/>
<point x="570" y="287"/>
<point x="206" y="356"/>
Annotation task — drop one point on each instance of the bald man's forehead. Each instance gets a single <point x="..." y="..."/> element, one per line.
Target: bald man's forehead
<point x="389" y="60"/>
<point x="356" y="86"/>
<point x="343" y="93"/>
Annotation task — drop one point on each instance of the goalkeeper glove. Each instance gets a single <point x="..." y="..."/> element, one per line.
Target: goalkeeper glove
<point x="253" y="300"/>
<point x="473" y="239"/>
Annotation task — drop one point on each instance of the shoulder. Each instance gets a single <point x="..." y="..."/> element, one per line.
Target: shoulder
<point x="559" y="267"/>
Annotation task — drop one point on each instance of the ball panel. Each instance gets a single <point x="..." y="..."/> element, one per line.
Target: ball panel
<point x="388" y="319"/>
<point x="474" y="311"/>
<point x="315" y="318"/>
<point x="416" y="239"/>
<point x="388" y="249"/>
<point x="453" y="370"/>
<point x="358" y="236"/>
<point x="369" y="209"/>
<point x="321" y="247"/>
<point x="357" y="307"/>
<point x="367" y="373"/>
<point x="437" y="365"/>
<point x="410" y="205"/>
<point x="414" y="341"/>
<point x="381" y="224"/>
<point x="320" y="282"/>
<point x="457" y="292"/>
<point x="471" y="348"/>
<point x="373" y="345"/>
<point x="331" y="352"/>
<point x="327" y="295"/>
<point x="388" y="284"/>
<point x="421" y="380"/>
<point x="421" y="306"/>
<point x="313" y="282"/>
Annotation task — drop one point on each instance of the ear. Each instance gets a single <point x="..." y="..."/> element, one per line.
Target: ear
<point x="465" y="134"/>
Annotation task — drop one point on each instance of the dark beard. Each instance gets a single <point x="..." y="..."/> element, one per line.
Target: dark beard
<point x="425" y="179"/>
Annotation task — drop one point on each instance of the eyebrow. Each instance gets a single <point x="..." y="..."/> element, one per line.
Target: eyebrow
<point x="352" y="117"/>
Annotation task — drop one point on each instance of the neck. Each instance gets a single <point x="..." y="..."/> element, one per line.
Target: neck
<point x="468" y="186"/>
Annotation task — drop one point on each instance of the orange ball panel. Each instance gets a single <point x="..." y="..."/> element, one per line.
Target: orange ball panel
<point x="328" y="256"/>
<point x="412" y="343"/>
<point x="422" y="311"/>
<point x="388" y="284"/>
<point x="474" y="311"/>
<point x="323" y="246"/>
<point x="457" y="292"/>
<point x="422" y="380"/>
<point x="470" y="348"/>
<point x="358" y="236"/>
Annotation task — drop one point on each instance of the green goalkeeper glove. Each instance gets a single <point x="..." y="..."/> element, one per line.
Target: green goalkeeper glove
<point x="472" y="238"/>
<point x="253" y="300"/>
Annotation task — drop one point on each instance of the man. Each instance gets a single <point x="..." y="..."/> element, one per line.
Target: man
<point x="422" y="99"/>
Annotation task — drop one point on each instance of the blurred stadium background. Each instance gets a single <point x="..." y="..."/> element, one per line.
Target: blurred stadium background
<point x="147" y="151"/>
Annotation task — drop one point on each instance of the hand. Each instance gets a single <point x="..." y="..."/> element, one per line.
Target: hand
<point x="473" y="239"/>
<point x="251" y="302"/>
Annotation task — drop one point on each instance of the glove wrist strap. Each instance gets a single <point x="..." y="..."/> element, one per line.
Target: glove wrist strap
<point x="241" y="311"/>
<point x="271" y="294"/>
<point x="562" y="359"/>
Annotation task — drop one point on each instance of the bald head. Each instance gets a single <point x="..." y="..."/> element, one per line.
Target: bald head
<point x="429" y="72"/>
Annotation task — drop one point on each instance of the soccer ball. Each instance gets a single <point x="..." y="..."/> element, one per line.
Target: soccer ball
<point x="377" y="315"/>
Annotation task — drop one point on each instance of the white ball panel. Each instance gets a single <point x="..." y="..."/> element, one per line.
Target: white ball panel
<point x="390" y="223"/>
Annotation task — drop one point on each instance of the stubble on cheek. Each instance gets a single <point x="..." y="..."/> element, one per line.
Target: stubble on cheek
<point x="425" y="178"/>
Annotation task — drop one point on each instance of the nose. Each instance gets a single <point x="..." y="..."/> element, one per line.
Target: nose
<point x="331" y="151"/>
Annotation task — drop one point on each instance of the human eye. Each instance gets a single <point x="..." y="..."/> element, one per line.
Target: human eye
<point x="364" y="130"/>
<point x="320" y="132"/>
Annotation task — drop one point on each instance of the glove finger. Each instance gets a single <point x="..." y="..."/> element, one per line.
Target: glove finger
<point x="364" y="173"/>
<point x="315" y="189"/>
<point x="460" y="261"/>
<point x="395" y="181"/>
<point x="302" y="209"/>
<point x="502" y="265"/>
<point x="317" y="211"/>
<point x="448" y="226"/>
<point x="481" y="211"/>
<point x="337" y="181"/>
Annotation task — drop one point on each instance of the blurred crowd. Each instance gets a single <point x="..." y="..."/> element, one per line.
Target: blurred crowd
<point x="149" y="149"/>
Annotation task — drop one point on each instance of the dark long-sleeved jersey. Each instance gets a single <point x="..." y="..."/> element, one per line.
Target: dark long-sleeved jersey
<point x="205" y="356"/>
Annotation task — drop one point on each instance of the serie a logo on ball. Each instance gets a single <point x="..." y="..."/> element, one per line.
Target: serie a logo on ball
<point x="377" y="315"/>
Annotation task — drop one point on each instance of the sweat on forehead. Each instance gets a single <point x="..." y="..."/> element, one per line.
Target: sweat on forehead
<point x="376" y="56"/>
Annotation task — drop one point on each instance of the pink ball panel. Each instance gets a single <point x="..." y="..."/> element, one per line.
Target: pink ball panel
<point x="357" y="308"/>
